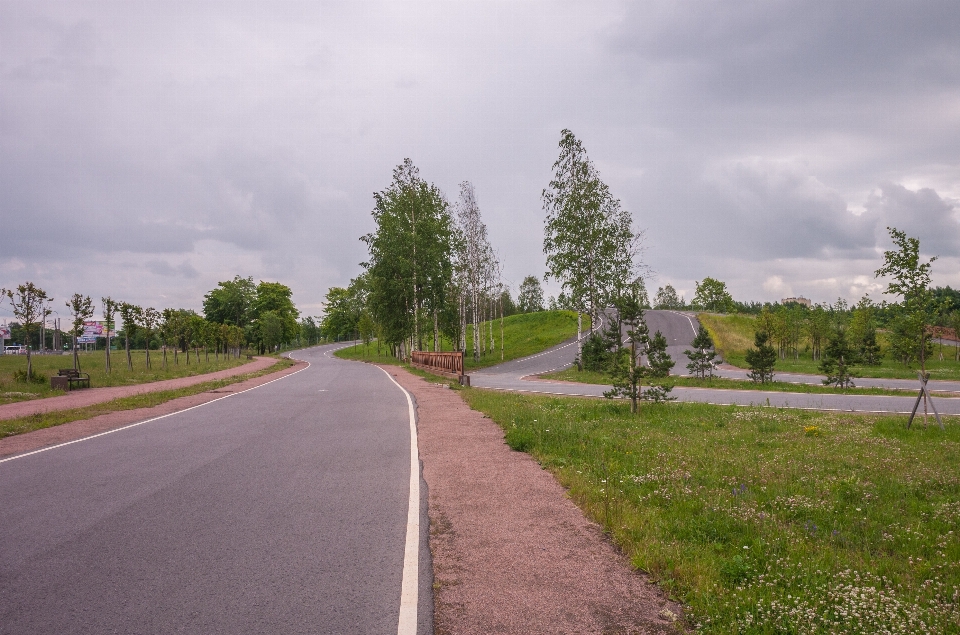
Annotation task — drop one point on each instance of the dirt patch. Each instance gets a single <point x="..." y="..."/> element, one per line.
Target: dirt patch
<point x="511" y="552"/>
<point x="30" y="441"/>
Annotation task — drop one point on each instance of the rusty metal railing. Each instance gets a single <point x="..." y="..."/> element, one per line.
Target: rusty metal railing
<point x="445" y="362"/>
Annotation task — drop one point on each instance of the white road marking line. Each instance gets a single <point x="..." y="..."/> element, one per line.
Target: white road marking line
<point x="688" y="320"/>
<point x="140" y="423"/>
<point x="409" y="588"/>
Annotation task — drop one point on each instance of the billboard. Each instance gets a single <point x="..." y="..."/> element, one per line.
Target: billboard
<point x="91" y="331"/>
<point x="4" y="332"/>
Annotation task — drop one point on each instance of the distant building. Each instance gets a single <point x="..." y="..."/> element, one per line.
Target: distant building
<point x="799" y="300"/>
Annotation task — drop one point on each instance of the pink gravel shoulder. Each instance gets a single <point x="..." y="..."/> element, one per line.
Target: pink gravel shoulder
<point x="511" y="552"/>
<point x="91" y="396"/>
<point x="55" y="435"/>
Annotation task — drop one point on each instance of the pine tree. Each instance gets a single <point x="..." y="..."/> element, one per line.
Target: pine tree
<point x="660" y="364"/>
<point x="702" y="358"/>
<point x="836" y="361"/>
<point x="761" y="359"/>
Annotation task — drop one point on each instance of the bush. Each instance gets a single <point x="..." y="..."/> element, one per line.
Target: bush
<point x="21" y="376"/>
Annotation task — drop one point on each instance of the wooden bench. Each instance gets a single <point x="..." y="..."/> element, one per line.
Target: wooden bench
<point x="68" y="378"/>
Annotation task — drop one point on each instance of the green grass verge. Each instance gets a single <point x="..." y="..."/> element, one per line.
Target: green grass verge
<point x="594" y="377"/>
<point x="523" y="334"/>
<point x="733" y="335"/>
<point x="12" y="390"/>
<point x="762" y="520"/>
<point x="20" y="425"/>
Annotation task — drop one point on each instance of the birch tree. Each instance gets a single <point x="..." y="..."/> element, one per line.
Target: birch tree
<point x="81" y="307"/>
<point x="475" y="258"/>
<point x="130" y="314"/>
<point x="588" y="238"/>
<point x="149" y="322"/>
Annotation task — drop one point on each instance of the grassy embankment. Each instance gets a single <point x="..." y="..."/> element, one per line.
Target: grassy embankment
<point x="93" y="363"/>
<point x="20" y="425"/>
<point x="733" y="335"/>
<point x="761" y="520"/>
<point x="594" y="377"/>
<point x="523" y="334"/>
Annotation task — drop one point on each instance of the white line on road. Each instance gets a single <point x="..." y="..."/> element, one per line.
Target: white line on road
<point x="140" y="423"/>
<point x="688" y="320"/>
<point x="409" y="588"/>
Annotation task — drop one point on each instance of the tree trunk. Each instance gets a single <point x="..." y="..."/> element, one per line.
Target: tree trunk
<point x="164" y="357"/>
<point x="501" y="328"/>
<point x="129" y="359"/>
<point x="436" y="332"/>
<point x="579" y="336"/>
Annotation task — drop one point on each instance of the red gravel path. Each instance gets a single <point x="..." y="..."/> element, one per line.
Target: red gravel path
<point x="63" y="433"/>
<point x="90" y="396"/>
<point x="511" y="553"/>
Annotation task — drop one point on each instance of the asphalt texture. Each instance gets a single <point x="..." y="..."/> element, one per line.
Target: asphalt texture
<point x="679" y="329"/>
<point x="278" y="510"/>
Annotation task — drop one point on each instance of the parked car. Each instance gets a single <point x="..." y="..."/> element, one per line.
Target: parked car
<point x="15" y="350"/>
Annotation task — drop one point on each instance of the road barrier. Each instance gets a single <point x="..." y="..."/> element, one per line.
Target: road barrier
<point x="446" y="364"/>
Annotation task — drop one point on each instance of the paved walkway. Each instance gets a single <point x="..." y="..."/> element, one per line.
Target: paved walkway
<point x="91" y="396"/>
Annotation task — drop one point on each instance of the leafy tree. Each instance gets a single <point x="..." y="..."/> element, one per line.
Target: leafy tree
<point x="475" y="263"/>
<point x="150" y="321"/>
<point x="761" y="359"/>
<point x="410" y="263"/>
<point x="366" y="327"/>
<point x="862" y="334"/>
<point x="837" y="358"/>
<point x="953" y="321"/>
<point x="817" y="328"/>
<point x="130" y="314"/>
<point x="232" y="302"/>
<point x="531" y="295"/>
<point x="702" y="358"/>
<point x="910" y="280"/>
<point x="340" y="316"/>
<point x="667" y="298"/>
<point x="628" y="371"/>
<point x="588" y="238"/>
<point x="110" y="308"/>
<point x="712" y="295"/>
<point x="81" y="307"/>
<point x="277" y="297"/>
<point x="27" y="301"/>
<point x="271" y="330"/>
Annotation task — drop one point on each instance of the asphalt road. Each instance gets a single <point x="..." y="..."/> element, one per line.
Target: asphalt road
<point x="283" y="509"/>
<point x="679" y="329"/>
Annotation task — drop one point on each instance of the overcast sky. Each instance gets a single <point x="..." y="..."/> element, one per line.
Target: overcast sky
<point x="149" y="150"/>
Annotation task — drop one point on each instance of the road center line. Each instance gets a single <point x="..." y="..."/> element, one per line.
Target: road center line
<point x="409" y="588"/>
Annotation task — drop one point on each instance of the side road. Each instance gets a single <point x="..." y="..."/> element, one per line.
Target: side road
<point x="91" y="396"/>
<point x="511" y="553"/>
<point x="64" y="433"/>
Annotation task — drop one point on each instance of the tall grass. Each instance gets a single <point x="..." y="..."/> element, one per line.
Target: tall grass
<point x="763" y="520"/>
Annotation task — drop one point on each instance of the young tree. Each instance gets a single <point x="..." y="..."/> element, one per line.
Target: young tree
<point x="667" y="298"/>
<point x="110" y="307"/>
<point x="588" y="238"/>
<point x="130" y="314"/>
<point x="761" y="359"/>
<point x="862" y="334"/>
<point x="660" y="363"/>
<point x="910" y="280"/>
<point x="531" y="295"/>
<point x="628" y="371"/>
<point x="702" y="358"/>
<point x="27" y="301"/>
<point x="81" y="307"/>
<point x="149" y="322"/>
<point x="837" y="358"/>
<point x="712" y="295"/>
<point x="817" y="328"/>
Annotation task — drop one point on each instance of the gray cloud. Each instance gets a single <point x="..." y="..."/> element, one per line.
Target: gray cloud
<point x="167" y="146"/>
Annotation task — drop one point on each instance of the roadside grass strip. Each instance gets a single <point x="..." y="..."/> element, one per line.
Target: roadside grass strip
<point x="762" y="520"/>
<point x="524" y="334"/>
<point x="733" y="335"/>
<point x="92" y="363"/>
<point x="598" y="378"/>
<point x="21" y="425"/>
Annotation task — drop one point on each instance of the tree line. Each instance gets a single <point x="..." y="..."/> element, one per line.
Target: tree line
<point x="237" y="314"/>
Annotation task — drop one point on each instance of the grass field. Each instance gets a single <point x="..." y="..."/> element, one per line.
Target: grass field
<point x="93" y="363"/>
<point x="20" y="425"/>
<point x="733" y="335"/>
<point x="762" y="520"/>
<point x="594" y="377"/>
<point x="523" y="334"/>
